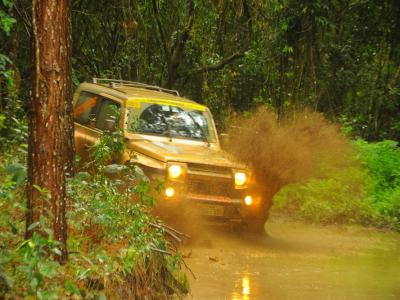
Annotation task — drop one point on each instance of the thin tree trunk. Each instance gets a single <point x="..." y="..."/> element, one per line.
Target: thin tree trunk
<point x="50" y="152"/>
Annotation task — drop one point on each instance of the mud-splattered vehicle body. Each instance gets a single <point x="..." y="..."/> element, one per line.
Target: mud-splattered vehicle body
<point x="173" y="140"/>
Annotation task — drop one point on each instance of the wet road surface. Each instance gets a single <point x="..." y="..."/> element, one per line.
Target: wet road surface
<point x="295" y="261"/>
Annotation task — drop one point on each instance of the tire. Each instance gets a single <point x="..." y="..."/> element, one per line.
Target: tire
<point x="256" y="225"/>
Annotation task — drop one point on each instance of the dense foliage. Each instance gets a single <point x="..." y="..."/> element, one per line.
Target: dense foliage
<point x="117" y="249"/>
<point x="338" y="57"/>
<point x="367" y="191"/>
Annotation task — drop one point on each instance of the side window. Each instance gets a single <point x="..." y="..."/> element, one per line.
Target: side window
<point x="108" y="115"/>
<point x="85" y="108"/>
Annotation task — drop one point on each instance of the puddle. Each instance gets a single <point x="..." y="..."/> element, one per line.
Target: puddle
<point x="297" y="261"/>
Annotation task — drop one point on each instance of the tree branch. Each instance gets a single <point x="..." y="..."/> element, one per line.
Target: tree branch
<point x="180" y="42"/>
<point x="216" y="67"/>
<point x="178" y="48"/>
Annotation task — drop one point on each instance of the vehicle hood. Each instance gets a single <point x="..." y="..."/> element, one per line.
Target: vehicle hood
<point x="170" y="151"/>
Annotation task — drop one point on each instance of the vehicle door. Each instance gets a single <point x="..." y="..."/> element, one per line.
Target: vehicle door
<point x="85" y="120"/>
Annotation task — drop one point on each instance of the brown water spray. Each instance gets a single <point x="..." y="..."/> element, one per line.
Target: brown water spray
<point x="298" y="146"/>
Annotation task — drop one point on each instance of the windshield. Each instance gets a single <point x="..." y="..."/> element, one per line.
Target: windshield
<point x="170" y="121"/>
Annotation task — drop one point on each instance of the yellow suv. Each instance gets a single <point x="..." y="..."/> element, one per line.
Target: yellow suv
<point x="172" y="139"/>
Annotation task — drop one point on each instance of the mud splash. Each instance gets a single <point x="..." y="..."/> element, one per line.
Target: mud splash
<point x="300" y="145"/>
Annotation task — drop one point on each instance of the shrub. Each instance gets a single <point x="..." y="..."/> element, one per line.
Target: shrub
<point x="339" y="197"/>
<point x="117" y="249"/>
<point x="366" y="192"/>
<point x="382" y="161"/>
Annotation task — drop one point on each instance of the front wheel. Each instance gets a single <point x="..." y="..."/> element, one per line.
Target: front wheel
<point x="256" y="224"/>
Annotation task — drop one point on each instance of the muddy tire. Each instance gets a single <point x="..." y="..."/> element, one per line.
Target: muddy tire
<point x="256" y="226"/>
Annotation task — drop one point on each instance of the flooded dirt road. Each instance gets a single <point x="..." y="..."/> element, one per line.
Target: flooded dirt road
<point x="296" y="261"/>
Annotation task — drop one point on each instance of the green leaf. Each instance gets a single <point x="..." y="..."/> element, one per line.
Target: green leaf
<point x="102" y="296"/>
<point x="7" y="3"/>
<point x="2" y="119"/>
<point x="14" y="229"/>
<point x="140" y="174"/>
<point x="6" y="22"/>
<point x="3" y="61"/>
<point x="47" y="295"/>
<point x="287" y="49"/>
<point x="42" y="191"/>
<point x="71" y="288"/>
<point x="114" y="169"/>
<point x="83" y="176"/>
<point x="17" y="171"/>
<point x="33" y="226"/>
<point x="57" y="251"/>
<point x="48" y="269"/>
<point x="34" y="283"/>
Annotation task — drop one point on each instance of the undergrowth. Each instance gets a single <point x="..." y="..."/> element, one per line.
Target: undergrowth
<point x="117" y="249"/>
<point x="365" y="192"/>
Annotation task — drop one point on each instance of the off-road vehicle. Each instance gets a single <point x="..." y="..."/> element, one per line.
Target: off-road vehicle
<point x="172" y="139"/>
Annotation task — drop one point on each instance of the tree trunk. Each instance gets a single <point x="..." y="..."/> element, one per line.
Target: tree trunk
<point x="50" y="154"/>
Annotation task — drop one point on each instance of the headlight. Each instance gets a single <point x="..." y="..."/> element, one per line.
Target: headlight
<point x="240" y="178"/>
<point x="248" y="200"/>
<point x="174" y="171"/>
<point x="169" y="192"/>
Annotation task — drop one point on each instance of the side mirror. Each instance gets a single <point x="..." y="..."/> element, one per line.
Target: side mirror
<point x="111" y="124"/>
<point x="224" y="140"/>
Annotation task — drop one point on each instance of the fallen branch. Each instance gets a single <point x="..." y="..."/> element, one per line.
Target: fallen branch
<point x="169" y="253"/>
<point x="176" y="231"/>
<point x="190" y="270"/>
<point x="161" y="251"/>
<point x="170" y="231"/>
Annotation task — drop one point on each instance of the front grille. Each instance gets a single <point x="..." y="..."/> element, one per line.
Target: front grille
<point x="210" y="187"/>
<point x="209" y="169"/>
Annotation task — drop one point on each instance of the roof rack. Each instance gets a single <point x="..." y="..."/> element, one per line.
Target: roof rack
<point x="113" y="83"/>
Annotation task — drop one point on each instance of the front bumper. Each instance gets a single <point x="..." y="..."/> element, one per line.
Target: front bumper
<point x="229" y="207"/>
<point x="210" y="194"/>
<point x="221" y="207"/>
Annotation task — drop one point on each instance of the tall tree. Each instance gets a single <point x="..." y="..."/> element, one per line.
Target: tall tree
<point x="50" y="152"/>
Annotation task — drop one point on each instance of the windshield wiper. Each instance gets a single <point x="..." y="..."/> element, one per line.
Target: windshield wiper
<point x="203" y="132"/>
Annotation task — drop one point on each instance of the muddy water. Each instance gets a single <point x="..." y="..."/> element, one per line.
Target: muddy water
<point x="296" y="261"/>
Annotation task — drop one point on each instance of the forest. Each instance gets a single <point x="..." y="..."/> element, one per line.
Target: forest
<point x="338" y="59"/>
